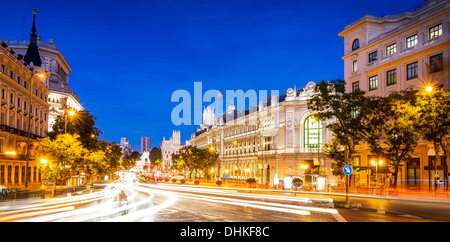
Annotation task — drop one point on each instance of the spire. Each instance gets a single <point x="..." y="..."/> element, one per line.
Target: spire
<point x="32" y="55"/>
<point x="33" y="28"/>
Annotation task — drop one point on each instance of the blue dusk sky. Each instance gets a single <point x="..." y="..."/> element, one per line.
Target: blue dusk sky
<point x="128" y="57"/>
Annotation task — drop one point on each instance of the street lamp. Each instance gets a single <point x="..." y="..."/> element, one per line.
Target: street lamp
<point x="43" y="161"/>
<point x="71" y="113"/>
<point x="376" y="164"/>
<point x="39" y="75"/>
<point x="429" y="88"/>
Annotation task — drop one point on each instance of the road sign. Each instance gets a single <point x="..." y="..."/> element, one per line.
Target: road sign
<point x="347" y="170"/>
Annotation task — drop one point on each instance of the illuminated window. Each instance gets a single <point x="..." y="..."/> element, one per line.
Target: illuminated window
<point x="390" y="49"/>
<point x="435" y="31"/>
<point x="373" y="56"/>
<point x="391" y="77"/>
<point x="373" y="83"/>
<point x="355" y="86"/>
<point x="411" y="41"/>
<point x="355" y="66"/>
<point x="313" y="132"/>
<point x="412" y="70"/>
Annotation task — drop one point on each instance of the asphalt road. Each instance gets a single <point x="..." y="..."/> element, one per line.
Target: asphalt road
<point x="132" y="199"/>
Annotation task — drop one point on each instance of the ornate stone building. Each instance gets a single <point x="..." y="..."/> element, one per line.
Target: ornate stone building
<point x="169" y="148"/>
<point x="24" y="83"/>
<point x="271" y="143"/>
<point x="393" y="53"/>
<point x="61" y="96"/>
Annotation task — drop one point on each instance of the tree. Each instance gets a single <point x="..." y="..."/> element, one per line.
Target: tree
<point x="155" y="156"/>
<point x="82" y="123"/>
<point x="63" y="155"/>
<point x="130" y="160"/>
<point x="344" y="113"/>
<point x="113" y="155"/>
<point x="434" y="109"/>
<point x="392" y="129"/>
<point x="192" y="158"/>
<point x="401" y="131"/>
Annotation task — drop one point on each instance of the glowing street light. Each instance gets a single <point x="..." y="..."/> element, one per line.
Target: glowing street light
<point x="429" y="88"/>
<point x="70" y="113"/>
<point x="43" y="161"/>
<point x="376" y="164"/>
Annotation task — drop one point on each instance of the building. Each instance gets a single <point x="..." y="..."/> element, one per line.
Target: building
<point x="61" y="96"/>
<point x="126" y="147"/>
<point x="24" y="82"/>
<point x="270" y="142"/>
<point x="393" y="53"/>
<point x="169" y="148"/>
<point x="146" y="143"/>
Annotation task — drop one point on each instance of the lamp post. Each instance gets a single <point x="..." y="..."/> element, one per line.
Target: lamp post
<point x="429" y="89"/>
<point x="237" y="153"/>
<point x="376" y="164"/>
<point x="71" y="113"/>
<point x="33" y="75"/>
<point x="215" y="162"/>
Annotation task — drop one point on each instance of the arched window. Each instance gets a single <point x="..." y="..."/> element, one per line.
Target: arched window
<point x="355" y="44"/>
<point x="313" y="132"/>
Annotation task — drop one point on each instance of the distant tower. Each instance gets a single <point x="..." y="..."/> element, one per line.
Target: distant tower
<point x="126" y="147"/>
<point x="145" y="144"/>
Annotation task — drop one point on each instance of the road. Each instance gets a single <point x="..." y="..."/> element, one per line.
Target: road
<point x="132" y="199"/>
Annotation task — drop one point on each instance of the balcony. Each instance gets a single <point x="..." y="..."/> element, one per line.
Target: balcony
<point x="11" y="130"/>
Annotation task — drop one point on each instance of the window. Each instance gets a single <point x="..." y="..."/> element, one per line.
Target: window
<point x="436" y="63"/>
<point x="390" y="49"/>
<point x="355" y="112"/>
<point x="391" y="77"/>
<point x="355" y="44"/>
<point x="313" y="132"/>
<point x="355" y="66"/>
<point x="3" y="69"/>
<point x="435" y="31"/>
<point x="411" y="41"/>
<point x="411" y="71"/>
<point x="373" y="56"/>
<point x="373" y="83"/>
<point x="355" y="86"/>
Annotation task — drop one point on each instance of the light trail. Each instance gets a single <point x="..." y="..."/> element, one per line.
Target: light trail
<point x="128" y="199"/>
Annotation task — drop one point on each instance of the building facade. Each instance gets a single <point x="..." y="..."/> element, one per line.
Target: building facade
<point x="61" y="96"/>
<point x="169" y="148"/>
<point x="272" y="143"/>
<point x="146" y="143"/>
<point x="24" y="113"/>
<point x="393" y="53"/>
<point x="127" y="149"/>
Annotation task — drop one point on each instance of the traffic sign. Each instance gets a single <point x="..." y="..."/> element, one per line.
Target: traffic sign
<point x="347" y="170"/>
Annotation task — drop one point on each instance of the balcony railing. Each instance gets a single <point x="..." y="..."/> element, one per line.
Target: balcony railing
<point x="19" y="132"/>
